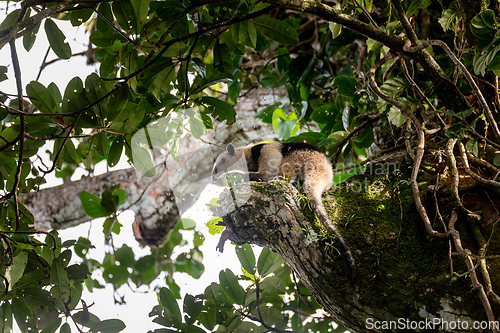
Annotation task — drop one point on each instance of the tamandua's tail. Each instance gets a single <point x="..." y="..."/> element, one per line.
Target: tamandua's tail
<point x="320" y="211"/>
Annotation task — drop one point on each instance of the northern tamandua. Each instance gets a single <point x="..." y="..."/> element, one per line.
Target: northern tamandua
<point x="264" y="162"/>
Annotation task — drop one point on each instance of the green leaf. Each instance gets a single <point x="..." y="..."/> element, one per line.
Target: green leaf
<point x="142" y="161"/>
<point x="172" y="312"/>
<point x="78" y="271"/>
<point x="222" y="110"/>
<point x="65" y="328"/>
<point x="125" y="15"/>
<point x="10" y="19"/>
<point x="346" y="85"/>
<point x="59" y="277"/>
<point x="41" y="97"/>
<point x="56" y="40"/>
<point x="273" y="285"/>
<point x="230" y="285"/>
<point x="125" y="256"/>
<point x="268" y="262"/>
<point x="471" y="146"/>
<point x="335" y="28"/>
<point x="208" y="318"/>
<point x="5" y="317"/>
<point x="3" y="77"/>
<point x="115" y="151"/>
<point x="192" y="307"/>
<point x="16" y="270"/>
<point x="109" y="326"/>
<point x="85" y="318"/>
<point x="187" y="224"/>
<point x="286" y="126"/>
<point x="92" y="205"/>
<point x="396" y="117"/>
<point x="246" y="257"/>
<point x="484" y="25"/>
<point x="196" y="125"/>
<point x="30" y="37"/>
<point x="277" y="30"/>
<point x="24" y="315"/>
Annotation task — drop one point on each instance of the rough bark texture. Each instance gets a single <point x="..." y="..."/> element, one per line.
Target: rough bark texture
<point x="403" y="278"/>
<point x="157" y="201"/>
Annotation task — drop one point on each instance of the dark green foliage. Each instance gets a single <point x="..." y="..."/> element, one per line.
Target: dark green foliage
<point x="164" y="70"/>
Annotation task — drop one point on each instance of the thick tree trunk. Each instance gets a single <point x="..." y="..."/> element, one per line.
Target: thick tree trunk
<point x="406" y="281"/>
<point x="157" y="201"/>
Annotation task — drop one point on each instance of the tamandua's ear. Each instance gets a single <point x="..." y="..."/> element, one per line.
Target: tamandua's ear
<point x="230" y="149"/>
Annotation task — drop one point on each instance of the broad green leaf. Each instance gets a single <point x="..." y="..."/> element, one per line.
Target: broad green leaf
<point x="187" y="224"/>
<point x="125" y="256"/>
<point x="85" y="318"/>
<point x="246" y="257"/>
<point x="396" y="117"/>
<point x="56" y="40"/>
<point x="115" y="151"/>
<point x="286" y="126"/>
<point x="10" y="19"/>
<point x="5" y="317"/>
<point x="109" y="326"/>
<point x="125" y="15"/>
<point x="31" y="279"/>
<point x="59" y="278"/>
<point x="222" y="110"/>
<point x="95" y="90"/>
<point x="192" y="307"/>
<point x="196" y="125"/>
<point x="208" y="318"/>
<point x="41" y="97"/>
<point x="230" y="285"/>
<point x="484" y="25"/>
<point x="394" y="86"/>
<point x="277" y="30"/>
<point x="30" y="37"/>
<point x="24" y="315"/>
<point x="65" y="328"/>
<point x="141" y="160"/>
<point x="273" y="285"/>
<point x="3" y="77"/>
<point x="346" y="85"/>
<point x="92" y="205"/>
<point x="268" y="261"/>
<point x="172" y="312"/>
<point x="103" y="25"/>
<point x="16" y="270"/>
<point x="335" y="28"/>
<point x="449" y="18"/>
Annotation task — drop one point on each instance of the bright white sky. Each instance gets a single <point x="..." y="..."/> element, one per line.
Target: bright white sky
<point x="139" y="304"/>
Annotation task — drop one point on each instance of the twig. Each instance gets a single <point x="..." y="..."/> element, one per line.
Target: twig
<point x="22" y="120"/>
<point x="473" y="276"/>
<point x="452" y="164"/>
<point x="420" y="148"/>
<point x="471" y="173"/>
<point x="465" y="72"/>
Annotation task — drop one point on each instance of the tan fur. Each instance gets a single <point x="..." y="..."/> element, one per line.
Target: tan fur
<point x="310" y="166"/>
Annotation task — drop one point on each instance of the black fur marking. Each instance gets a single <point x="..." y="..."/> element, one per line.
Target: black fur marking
<point x="290" y="147"/>
<point x="255" y="155"/>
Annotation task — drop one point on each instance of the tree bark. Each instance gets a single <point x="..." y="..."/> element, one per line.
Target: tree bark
<point x="404" y="278"/>
<point x="158" y="201"/>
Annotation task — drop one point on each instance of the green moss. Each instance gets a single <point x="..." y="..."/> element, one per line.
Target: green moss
<point x="400" y="266"/>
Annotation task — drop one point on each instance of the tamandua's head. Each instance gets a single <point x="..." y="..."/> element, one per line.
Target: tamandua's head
<point x="233" y="159"/>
